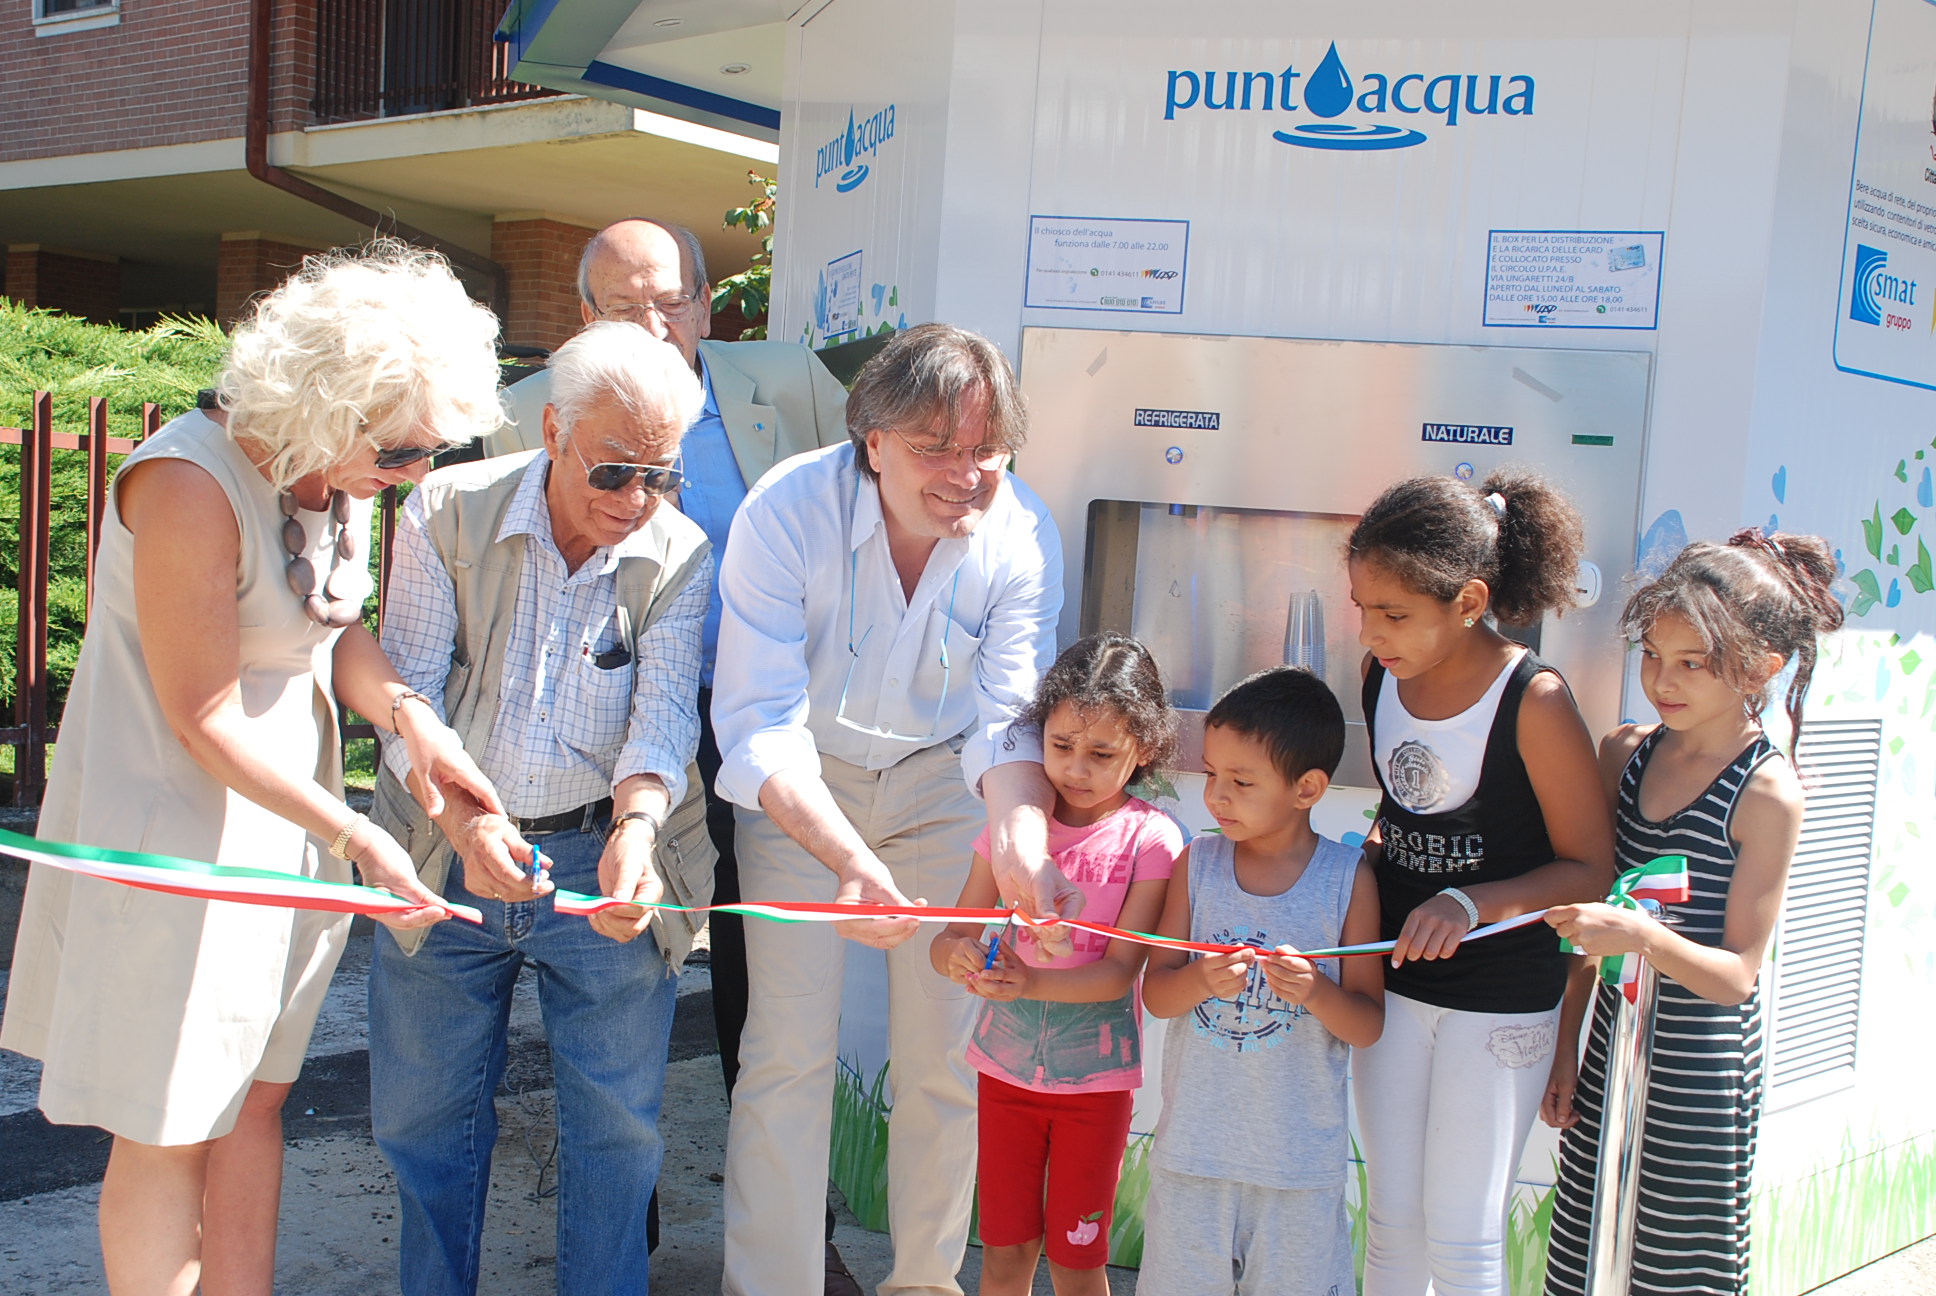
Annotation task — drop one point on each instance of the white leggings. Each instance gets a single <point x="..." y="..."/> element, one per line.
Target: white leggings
<point x="1445" y="1100"/>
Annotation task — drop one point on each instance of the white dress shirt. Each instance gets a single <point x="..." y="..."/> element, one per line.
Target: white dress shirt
<point x="568" y="729"/>
<point x="808" y="557"/>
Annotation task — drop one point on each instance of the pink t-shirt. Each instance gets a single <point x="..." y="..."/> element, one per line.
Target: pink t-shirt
<point x="1081" y="1048"/>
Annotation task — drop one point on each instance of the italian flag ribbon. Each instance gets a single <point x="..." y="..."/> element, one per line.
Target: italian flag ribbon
<point x="1664" y="880"/>
<point x="798" y="911"/>
<point x="185" y="877"/>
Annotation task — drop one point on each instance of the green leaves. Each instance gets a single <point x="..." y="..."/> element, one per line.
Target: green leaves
<point x="1872" y="532"/>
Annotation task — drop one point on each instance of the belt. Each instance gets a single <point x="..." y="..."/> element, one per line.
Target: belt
<point x="579" y="820"/>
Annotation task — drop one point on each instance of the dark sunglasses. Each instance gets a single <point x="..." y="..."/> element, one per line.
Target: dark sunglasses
<point x="654" y="479"/>
<point x="403" y="456"/>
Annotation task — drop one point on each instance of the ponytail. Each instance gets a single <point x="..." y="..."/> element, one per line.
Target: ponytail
<point x="1514" y="532"/>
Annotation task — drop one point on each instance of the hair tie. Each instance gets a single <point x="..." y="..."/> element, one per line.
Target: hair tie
<point x="1498" y="503"/>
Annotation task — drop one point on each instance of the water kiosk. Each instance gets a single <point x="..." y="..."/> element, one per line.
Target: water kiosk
<point x="1256" y="261"/>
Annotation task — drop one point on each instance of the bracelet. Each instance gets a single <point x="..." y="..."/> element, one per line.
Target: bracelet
<point x="1465" y="903"/>
<point x="398" y="701"/>
<point x="340" y="848"/>
<point x="640" y="815"/>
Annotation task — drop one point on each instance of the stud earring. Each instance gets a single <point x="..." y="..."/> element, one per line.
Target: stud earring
<point x="1468" y="623"/>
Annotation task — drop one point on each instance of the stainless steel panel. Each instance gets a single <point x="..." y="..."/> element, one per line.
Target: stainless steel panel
<point x="1307" y="430"/>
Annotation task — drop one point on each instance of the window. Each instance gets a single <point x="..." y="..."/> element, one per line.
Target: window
<point x="56" y="17"/>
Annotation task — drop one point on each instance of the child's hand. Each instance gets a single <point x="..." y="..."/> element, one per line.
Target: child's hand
<point x="1601" y="929"/>
<point x="1008" y="979"/>
<point x="1292" y="978"/>
<point x="1224" y="976"/>
<point x="1556" y="1108"/>
<point x="965" y="959"/>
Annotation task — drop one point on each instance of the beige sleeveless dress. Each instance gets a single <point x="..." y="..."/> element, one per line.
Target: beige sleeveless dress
<point x="153" y="1013"/>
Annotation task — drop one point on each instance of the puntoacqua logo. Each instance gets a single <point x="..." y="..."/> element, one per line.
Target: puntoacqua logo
<point x="1329" y="92"/>
<point x="843" y="152"/>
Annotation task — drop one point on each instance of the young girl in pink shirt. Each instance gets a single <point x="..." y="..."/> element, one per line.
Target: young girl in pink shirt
<point x="1059" y="1044"/>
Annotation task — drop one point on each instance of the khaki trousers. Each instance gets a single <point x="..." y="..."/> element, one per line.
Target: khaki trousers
<point x="921" y="820"/>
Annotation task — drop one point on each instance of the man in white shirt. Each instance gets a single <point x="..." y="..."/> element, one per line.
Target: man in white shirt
<point x="889" y="606"/>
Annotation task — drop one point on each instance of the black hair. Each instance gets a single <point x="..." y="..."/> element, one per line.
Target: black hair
<point x="1114" y="671"/>
<point x="1756" y="594"/>
<point x="1292" y="712"/>
<point x="1515" y="532"/>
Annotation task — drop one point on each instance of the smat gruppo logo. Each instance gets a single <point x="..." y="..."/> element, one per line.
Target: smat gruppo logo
<point x="1330" y="92"/>
<point x="1877" y="292"/>
<point x="841" y="156"/>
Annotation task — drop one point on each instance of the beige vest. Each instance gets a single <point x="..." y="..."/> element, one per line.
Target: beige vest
<point x="467" y="504"/>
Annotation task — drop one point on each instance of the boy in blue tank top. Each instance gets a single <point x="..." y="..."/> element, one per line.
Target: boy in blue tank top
<point x="1248" y="1168"/>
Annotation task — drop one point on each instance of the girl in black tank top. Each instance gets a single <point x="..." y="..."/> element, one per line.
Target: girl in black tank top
<point x="1480" y="820"/>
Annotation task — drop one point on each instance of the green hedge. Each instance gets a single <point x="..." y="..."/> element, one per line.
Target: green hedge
<point x="45" y="351"/>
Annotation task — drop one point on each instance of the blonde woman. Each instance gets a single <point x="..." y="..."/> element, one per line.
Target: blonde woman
<point x="202" y="723"/>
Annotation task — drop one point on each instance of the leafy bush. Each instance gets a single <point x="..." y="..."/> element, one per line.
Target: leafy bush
<point x="46" y="351"/>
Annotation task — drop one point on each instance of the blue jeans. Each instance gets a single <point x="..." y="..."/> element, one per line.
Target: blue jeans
<point x="438" y="1025"/>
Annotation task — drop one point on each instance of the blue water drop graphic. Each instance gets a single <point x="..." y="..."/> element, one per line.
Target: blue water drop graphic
<point x="1924" y="495"/>
<point x="1328" y="92"/>
<point x="1895" y="594"/>
<point x="1780" y="483"/>
<point x="849" y="139"/>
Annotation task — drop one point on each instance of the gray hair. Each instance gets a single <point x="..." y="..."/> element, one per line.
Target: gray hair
<point x="687" y="240"/>
<point x="918" y="382"/>
<point x="377" y="344"/>
<point x="611" y="360"/>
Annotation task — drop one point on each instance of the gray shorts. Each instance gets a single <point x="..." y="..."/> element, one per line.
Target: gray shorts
<point x="1215" y="1237"/>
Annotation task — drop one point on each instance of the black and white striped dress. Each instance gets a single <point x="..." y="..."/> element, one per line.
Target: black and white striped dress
<point x="1704" y="1100"/>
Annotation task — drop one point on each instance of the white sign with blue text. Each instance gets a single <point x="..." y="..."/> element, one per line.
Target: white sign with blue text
<point x="1603" y="279"/>
<point x="1099" y="263"/>
<point x="1885" y="315"/>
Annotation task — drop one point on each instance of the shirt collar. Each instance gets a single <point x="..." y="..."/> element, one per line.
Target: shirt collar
<point x="530" y="514"/>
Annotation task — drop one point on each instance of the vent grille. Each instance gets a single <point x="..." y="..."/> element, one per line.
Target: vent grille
<point x="1818" y="973"/>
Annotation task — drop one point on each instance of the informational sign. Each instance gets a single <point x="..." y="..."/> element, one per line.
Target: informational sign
<point x="843" y="296"/>
<point x="1885" y="315"/>
<point x="1602" y="279"/>
<point x="1096" y="263"/>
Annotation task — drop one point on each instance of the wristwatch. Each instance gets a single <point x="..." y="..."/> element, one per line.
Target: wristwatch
<point x="639" y="815"/>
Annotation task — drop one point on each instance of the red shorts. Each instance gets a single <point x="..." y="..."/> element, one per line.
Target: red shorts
<point x="1049" y="1164"/>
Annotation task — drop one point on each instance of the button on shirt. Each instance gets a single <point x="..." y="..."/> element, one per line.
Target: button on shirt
<point x="712" y="494"/>
<point x="993" y="598"/>
<point x="568" y="730"/>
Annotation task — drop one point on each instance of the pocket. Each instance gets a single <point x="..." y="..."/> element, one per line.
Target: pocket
<point x="685" y="856"/>
<point x="594" y="705"/>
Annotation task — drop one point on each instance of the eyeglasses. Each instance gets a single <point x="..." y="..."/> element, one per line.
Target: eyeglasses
<point x="319" y="605"/>
<point x="853" y="650"/>
<point x="673" y="310"/>
<point x="403" y="456"/>
<point x="984" y="457"/>
<point x="654" y="479"/>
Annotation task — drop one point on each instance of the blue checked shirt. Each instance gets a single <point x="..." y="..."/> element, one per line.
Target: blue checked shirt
<point x="567" y="730"/>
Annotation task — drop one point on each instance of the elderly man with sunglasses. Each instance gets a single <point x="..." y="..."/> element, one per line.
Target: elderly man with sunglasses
<point x="890" y="604"/>
<point x="550" y="606"/>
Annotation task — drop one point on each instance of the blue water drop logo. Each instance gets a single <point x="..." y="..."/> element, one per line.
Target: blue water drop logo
<point x="1328" y="91"/>
<point x="849" y="159"/>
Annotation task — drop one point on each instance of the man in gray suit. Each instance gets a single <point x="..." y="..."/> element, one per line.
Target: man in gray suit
<point x="765" y="402"/>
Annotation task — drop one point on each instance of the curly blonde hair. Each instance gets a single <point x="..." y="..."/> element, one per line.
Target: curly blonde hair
<point x="379" y="343"/>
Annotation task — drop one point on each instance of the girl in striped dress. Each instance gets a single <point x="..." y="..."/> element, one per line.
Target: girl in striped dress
<point x="1715" y="630"/>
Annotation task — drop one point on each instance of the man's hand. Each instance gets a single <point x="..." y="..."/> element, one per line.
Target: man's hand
<point x="869" y="883"/>
<point x="497" y="859"/>
<point x="1041" y="890"/>
<point x="1020" y="798"/>
<point x="626" y="872"/>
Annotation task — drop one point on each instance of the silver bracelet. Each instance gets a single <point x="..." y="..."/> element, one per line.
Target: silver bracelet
<point x="1465" y="903"/>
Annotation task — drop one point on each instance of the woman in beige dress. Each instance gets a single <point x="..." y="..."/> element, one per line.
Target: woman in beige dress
<point x="202" y="723"/>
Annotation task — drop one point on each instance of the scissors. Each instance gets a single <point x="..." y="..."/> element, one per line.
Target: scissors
<point x="995" y="942"/>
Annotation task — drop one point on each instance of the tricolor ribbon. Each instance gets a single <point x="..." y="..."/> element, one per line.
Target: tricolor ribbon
<point x="797" y="911"/>
<point x="1664" y="880"/>
<point x="186" y="877"/>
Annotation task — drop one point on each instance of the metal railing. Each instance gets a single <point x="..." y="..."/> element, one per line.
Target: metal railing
<point x="389" y="58"/>
<point x="33" y="729"/>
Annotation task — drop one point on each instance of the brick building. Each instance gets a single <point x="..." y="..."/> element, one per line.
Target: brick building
<point x="126" y="189"/>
